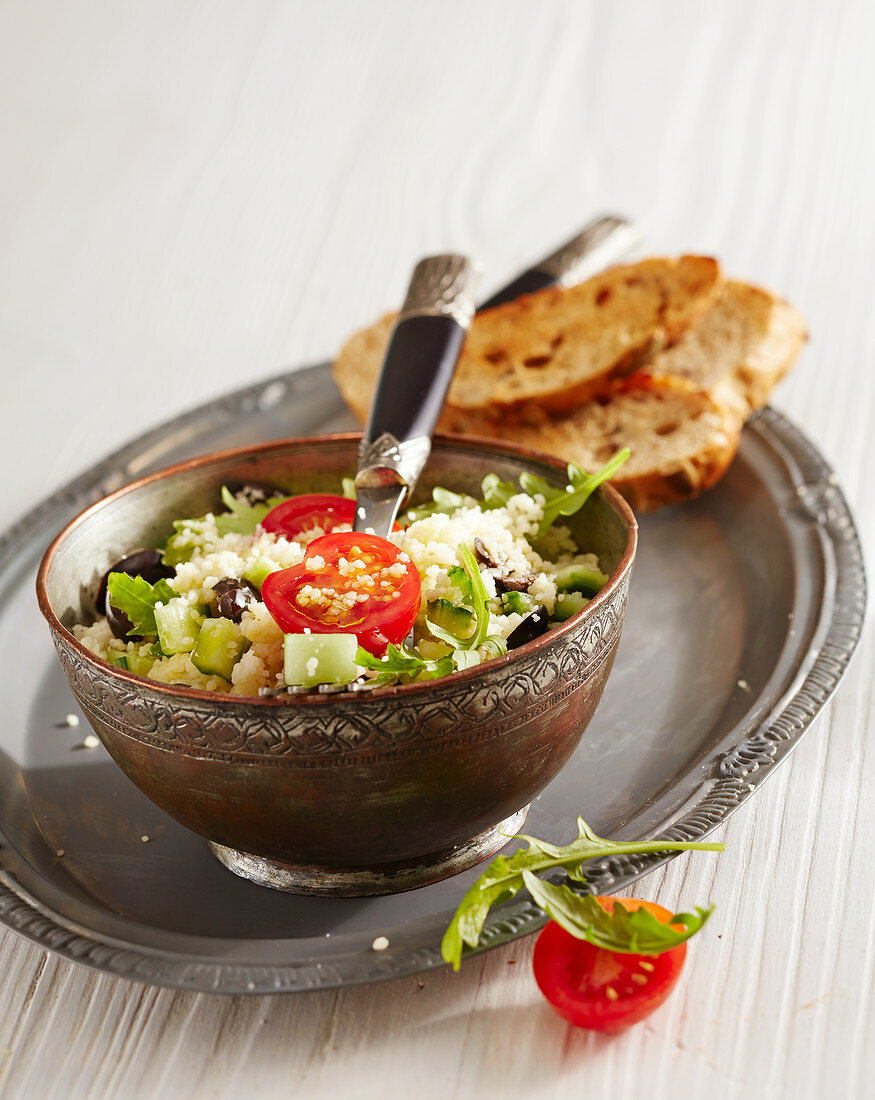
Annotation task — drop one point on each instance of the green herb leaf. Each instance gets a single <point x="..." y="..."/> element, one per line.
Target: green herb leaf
<point x="582" y="488"/>
<point x="496" y="493"/>
<point x="635" y="932"/>
<point x="504" y="877"/>
<point x="241" y="518"/>
<point x="401" y="661"/>
<point x="137" y="598"/>
<point x="443" y="501"/>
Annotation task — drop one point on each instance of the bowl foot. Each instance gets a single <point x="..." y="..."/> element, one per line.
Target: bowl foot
<point x="387" y="878"/>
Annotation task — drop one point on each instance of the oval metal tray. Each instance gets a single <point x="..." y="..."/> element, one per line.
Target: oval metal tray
<point x="744" y="610"/>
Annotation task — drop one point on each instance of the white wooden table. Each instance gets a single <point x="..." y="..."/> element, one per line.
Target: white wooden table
<point x="194" y="194"/>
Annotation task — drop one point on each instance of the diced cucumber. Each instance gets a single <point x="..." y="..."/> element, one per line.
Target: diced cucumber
<point x="178" y="625"/>
<point x="568" y="604"/>
<point x="312" y="659"/>
<point x="141" y="659"/>
<point x="220" y="645"/>
<point x="517" y="603"/>
<point x="451" y="617"/>
<point x="259" y="569"/>
<point x="580" y="578"/>
<point x="120" y="661"/>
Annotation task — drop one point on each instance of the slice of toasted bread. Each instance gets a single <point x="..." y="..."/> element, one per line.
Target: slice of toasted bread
<point x="558" y="347"/>
<point x="740" y="349"/>
<point x="681" y="438"/>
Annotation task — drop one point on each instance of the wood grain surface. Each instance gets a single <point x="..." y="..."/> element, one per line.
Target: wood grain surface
<point x="197" y="194"/>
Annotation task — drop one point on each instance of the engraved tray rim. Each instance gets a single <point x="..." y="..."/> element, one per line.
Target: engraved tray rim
<point x="739" y="772"/>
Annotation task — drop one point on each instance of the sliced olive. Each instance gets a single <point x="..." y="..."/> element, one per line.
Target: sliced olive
<point x="514" y="583"/>
<point x="232" y="597"/>
<point x="142" y="563"/>
<point x="484" y="555"/>
<point x="533" y="626"/>
<point x="255" y="492"/>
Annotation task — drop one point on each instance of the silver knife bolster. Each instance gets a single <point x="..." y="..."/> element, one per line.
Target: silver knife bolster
<point x="600" y="243"/>
<point x="442" y="286"/>
<point x="386" y="461"/>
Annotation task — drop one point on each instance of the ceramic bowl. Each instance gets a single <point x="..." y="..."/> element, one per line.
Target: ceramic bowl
<point x="365" y="793"/>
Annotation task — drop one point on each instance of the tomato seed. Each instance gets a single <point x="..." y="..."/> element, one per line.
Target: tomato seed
<point x="611" y="993"/>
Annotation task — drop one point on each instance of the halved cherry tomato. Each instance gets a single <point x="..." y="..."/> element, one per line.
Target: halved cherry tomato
<point x="604" y="990"/>
<point x="290" y="517"/>
<point x="349" y="583"/>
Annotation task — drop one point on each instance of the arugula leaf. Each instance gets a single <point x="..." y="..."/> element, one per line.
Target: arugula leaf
<point x="443" y="501"/>
<point x="464" y="653"/>
<point x="582" y="488"/>
<point x="137" y="598"/>
<point x="503" y="878"/>
<point x="401" y="661"/>
<point x="636" y="932"/>
<point x="496" y="493"/>
<point x="241" y="518"/>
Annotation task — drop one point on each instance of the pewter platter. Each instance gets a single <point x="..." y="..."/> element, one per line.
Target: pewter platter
<point x="744" y="611"/>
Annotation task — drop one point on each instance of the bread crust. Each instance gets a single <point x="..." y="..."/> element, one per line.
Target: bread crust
<point x="681" y="415"/>
<point x="558" y="347"/>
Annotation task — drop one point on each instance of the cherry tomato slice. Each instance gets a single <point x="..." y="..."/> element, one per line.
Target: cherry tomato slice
<point x="349" y="583"/>
<point x="291" y="517"/>
<point x="604" y="990"/>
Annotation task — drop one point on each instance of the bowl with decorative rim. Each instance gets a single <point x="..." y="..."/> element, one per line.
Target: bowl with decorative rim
<point x="348" y="793"/>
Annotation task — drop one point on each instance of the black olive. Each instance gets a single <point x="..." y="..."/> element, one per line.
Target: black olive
<point x="233" y="596"/>
<point x="255" y="492"/>
<point x="142" y="563"/>
<point x="513" y="583"/>
<point x="533" y="626"/>
<point x="484" y="555"/>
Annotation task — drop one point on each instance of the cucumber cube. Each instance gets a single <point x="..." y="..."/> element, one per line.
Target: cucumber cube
<point x="259" y="569"/>
<point x="312" y="659"/>
<point x="178" y="626"/>
<point x="581" y="578"/>
<point x="220" y="645"/>
<point x="568" y="604"/>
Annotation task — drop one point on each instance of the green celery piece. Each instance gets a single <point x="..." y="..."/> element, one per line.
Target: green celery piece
<point x="635" y="932"/>
<point x="459" y="579"/>
<point x="504" y="877"/>
<point x="479" y="598"/>
<point x="137" y="598"/>
<point x="583" y="486"/>
<point x="347" y="487"/>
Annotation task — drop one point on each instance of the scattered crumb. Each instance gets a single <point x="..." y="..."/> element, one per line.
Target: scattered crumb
<point x="327" y="934"/>
<point x="72" y="720"/>
<point x="59" y="852"/>
<point x="744" y="685"/>
<point x="144" y="839"/>
<point x="380" y="944"/>
<point x="511" y="962"/>
<point x="91" y="742"/>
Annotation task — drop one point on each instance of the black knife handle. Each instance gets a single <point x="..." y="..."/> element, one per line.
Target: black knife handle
<point x="416" y="375"/>
<point x="417" y="371"/>
<point x="600" y="243"/>
<point x="423" y="349"/>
